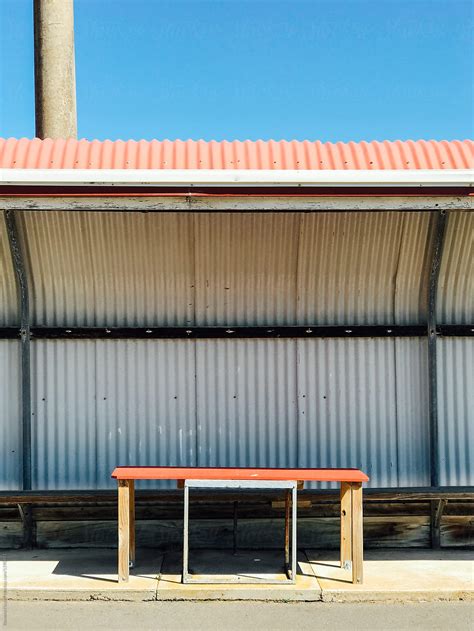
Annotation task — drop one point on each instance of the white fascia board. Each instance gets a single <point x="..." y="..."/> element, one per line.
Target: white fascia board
<point x="236" y="177"/>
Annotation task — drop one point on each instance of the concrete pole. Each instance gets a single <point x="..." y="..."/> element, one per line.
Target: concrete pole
<point x="55" y="76"/>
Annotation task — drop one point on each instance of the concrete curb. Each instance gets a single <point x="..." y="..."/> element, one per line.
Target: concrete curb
<point x="219" y="594"/>
<point x="415" y="596"/>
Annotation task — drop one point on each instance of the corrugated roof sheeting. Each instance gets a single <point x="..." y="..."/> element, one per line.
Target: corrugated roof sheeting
<point x="246" y="266"/>
<point x="10" y="415"/>
<point x="456" y="279"/>
<point x="133" y="269"/>
<point x="357" y="408"/>
<point x="114" y="269"/>
<point x="98" y="405"/>
<point x="246" y="402"/>
<point x="456" y="410"/>
<point x="8" y="292"/>
<point x="199" y="154"/>
<point x="363" y="268"/>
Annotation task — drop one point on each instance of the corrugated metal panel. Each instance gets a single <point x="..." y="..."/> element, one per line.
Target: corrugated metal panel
<point x="10" y="415"/>
<point x="363" y="268"/>
<point x="246" y="402"/>
<point x="456" y="410"/>
<point x="100" y="404"/>
<point x="456" y="279"/>
<point x="349" y="414"/>
<point x="8" y="294"/>
<point x="190" y="154"/>
<point x="413" y="424"/>
<point x="114" y="269"/>
<point x="246" y="267"/>
<point x="277" y="403"/>
<point x="126" y="269"/>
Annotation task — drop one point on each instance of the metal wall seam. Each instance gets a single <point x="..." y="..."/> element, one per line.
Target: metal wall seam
<point x="456" y="411"/>
<point x="10" y="416"/>
<point x="9" y="314"/>
<point x="455" y="303"/>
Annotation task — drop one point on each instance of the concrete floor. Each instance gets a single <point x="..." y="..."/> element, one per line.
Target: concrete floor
<point x="90" y="574"/>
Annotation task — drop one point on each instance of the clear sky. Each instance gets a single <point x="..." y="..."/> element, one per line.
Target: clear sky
<point x="234" y="69"/>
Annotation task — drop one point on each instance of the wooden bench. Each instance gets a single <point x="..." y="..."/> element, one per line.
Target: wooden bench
<point x="350" y="481"/>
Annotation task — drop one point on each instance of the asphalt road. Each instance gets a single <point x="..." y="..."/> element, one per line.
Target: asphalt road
<point x="237" y="616"/>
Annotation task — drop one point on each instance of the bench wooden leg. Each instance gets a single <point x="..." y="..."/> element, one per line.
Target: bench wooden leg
<point x="357" y="533"/>
<point x="346" y="525"/>
<point x="123" y="530"/>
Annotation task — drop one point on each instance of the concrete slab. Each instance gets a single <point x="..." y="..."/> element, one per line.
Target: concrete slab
<point x="249" y="567"/>
<point x="392" y="575"/>
<point x="91" y="574"/>
<point x="78" y="574"/>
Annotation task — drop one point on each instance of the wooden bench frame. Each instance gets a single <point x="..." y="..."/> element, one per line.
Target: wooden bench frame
<point x="351" y="506"/>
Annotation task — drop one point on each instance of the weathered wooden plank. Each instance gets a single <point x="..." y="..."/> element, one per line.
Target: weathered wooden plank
<point x="379" y="532"/>
<point x="457" y="531"/>
<point x="346" y="520"/>
<point x="11" y="534"/>
<point x="170" y="496"/>
<point x="221" y="510"/>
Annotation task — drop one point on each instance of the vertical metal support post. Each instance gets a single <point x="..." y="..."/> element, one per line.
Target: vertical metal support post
<point x="234" y="530"/>
<point x="437" y="252"/>
<point x="287" y="533"/>
<point x="24" y="307"/>
<point x="132" y="522"/>
<point x="294" y="550"/>
<point x="186" y="533"/>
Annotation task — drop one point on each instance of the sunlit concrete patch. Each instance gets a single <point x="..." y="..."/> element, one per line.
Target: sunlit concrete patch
<point x="79" y="574"/>
<point x="249" y="569"/>
<point x="398" y="575"/>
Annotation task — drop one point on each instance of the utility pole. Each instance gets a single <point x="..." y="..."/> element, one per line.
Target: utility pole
<point x="55" y="76"/>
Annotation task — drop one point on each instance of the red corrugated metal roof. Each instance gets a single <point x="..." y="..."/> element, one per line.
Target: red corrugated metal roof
<point x="191" y="154"/>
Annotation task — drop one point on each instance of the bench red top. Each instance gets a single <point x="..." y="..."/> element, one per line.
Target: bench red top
<point x="224" y="473"/>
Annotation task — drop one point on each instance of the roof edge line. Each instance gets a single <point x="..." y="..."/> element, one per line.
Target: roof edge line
<point x="238" y="177"/>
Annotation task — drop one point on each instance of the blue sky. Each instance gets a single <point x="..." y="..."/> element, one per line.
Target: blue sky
<point x="232" y="69"/>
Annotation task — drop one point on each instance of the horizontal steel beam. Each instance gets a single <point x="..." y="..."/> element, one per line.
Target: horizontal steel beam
<point x="239" y="332"/>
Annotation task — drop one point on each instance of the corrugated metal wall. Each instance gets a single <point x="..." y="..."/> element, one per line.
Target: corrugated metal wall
<point x="98" y="405"/>
<point x="320" y="402"/>
<point x="10" y="420"/>
<point x="8" y="296"/>
<point x="456" y="411"/>
<point x="228" y="402"/>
